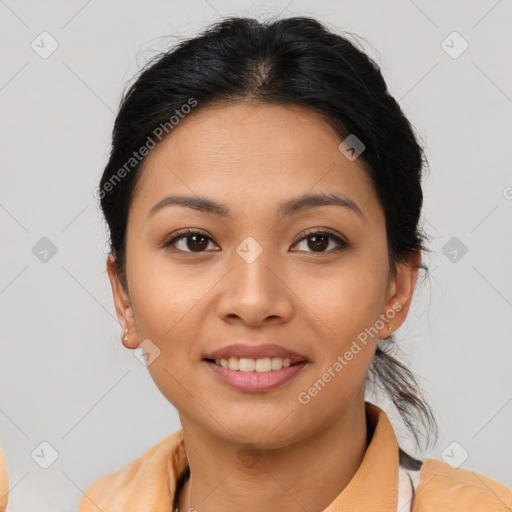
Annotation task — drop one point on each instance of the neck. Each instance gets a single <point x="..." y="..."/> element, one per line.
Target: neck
<point x="307" y="474"/>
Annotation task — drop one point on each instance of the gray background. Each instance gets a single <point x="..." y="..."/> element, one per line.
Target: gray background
<point x="65" y="377"/>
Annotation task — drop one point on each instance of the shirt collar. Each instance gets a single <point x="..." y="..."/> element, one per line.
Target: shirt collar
<point x="149" y="482"/>
<point x="374" y="486"/>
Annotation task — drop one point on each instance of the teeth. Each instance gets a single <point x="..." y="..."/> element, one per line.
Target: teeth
<point x="250" y="365"/>
<point x="262" y="365"/>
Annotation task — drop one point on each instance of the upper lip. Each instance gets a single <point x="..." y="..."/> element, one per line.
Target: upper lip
<point x="255" y="352"/>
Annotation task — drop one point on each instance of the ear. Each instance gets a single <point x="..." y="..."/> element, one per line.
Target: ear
<point x="401" y="289"/>
<point x="123" y="306"/>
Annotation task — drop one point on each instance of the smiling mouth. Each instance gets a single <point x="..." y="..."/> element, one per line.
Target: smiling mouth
<point x="263" y="365"/>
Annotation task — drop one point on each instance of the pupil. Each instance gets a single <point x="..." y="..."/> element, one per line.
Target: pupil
<point x="195" y="245"/>
<point x="319" y="242"/>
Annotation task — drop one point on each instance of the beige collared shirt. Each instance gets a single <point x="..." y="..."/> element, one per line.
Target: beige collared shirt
<point x="148" y="483"/>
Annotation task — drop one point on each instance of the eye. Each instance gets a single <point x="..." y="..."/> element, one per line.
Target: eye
<point x="191" y="239"/>
<point x="197" y="241"/>
<point x="319" y="240"/>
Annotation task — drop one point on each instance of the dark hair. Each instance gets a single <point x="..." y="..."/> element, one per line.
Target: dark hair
<point x="288" y="61"/>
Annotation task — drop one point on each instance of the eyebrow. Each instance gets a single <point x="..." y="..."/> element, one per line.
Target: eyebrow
<point x="290" y="207"/>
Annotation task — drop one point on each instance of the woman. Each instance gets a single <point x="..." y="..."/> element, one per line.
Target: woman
<point x="263" y="196"/>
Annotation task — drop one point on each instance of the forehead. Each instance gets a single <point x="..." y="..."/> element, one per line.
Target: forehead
<point x="252" y="153"/>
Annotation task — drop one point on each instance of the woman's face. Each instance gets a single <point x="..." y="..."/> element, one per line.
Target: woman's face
<point x="252" y="276"/>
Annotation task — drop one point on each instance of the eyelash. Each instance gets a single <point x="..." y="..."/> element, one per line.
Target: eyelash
<point x="342" y="244"/>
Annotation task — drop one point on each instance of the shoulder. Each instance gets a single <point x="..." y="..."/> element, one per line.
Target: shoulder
<point x="4" y="482"/>
<point x="142" y="484"/>
<point x="445" y="489"/>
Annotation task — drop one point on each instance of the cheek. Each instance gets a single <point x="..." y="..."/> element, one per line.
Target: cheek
<point x="345" y="300"/>
<point x="161" y="295"/>
<point x="346" y="304"/>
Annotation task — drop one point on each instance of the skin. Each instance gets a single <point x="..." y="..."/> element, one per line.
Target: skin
<point x="252" y="157"/>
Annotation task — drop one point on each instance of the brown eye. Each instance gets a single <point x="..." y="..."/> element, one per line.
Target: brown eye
<point x="318" y="241"/>
<point x="190" y="241"/>
<point x="196" y="243"/>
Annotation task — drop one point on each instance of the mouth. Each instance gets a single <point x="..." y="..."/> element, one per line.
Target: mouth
<point x="260" y="365"/>
<point x="255" y="368"/>
<point x="247" y="358"/>
<point x="255" y="375"/>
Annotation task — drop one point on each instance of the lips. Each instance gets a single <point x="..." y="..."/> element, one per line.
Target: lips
<point x="255" y="352"/>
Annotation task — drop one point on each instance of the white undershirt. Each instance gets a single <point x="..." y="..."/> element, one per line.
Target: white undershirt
<point x="408" y="481"/>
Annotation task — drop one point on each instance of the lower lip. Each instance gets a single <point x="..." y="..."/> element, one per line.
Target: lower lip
<point x="256" y="381"/>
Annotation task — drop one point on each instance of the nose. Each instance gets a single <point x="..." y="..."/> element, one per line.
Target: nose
<point x="255" y="291"/>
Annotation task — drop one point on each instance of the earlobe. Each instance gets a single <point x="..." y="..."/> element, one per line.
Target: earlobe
<point x="130" y="339"/>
